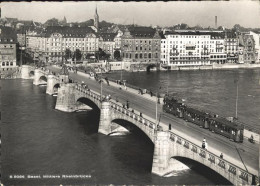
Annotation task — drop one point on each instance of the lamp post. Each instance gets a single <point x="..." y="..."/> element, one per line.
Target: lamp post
<point x="21" y="60"/>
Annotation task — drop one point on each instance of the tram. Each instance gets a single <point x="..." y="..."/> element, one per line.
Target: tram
<point x="229" y="128"/>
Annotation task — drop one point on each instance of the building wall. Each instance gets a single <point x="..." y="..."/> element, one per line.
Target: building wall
<point x="8" y="56"/>
<point x="141" y="49"/>
<point x="54" y="47"/>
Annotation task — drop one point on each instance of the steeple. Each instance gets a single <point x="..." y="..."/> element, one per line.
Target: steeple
<point x="96" y="19"/>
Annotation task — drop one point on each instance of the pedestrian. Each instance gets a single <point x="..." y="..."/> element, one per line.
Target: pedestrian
<point x="127" y="104"/>
<point x="204" y="143"/>
<point x="116" y="99"/>
<point x="170" y="126"/>
<point x="221" y="155"/>
<point x="133" y="111"/>
<point x="141" y="115"/>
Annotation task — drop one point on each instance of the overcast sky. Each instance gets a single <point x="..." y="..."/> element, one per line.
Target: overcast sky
<point x="246" y="13"/>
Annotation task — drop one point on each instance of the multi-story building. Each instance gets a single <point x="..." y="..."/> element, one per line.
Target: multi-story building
<point x="141" y="44"/>
<point x="8" y="41"/>
<point x="231" y="44"/>
<point x="216" y="48"/>
<point x="192" y="48"/>
<point x="247" y="47"/>
<point x="256" y="37"/>
<point x="56" y="39"/>
<point x="107" y="43"/>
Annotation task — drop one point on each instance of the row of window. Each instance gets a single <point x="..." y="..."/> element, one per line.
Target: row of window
<point x="7" y="63"/>
<point x="140" y="56"/>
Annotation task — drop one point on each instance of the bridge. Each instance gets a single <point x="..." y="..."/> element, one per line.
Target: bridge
<point x="240" y="162"/>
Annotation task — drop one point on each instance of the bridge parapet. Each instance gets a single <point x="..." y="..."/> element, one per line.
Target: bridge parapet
<point x="167" y="143"/>
<point x="184" y="148"/>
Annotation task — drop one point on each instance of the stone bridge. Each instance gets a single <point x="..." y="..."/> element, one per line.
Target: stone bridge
<point x="167" y="144"/>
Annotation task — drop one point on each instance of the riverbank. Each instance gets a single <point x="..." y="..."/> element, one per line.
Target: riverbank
<point x="215" y="66"/>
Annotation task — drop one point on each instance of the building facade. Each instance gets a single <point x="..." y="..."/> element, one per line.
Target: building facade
<point x="231" y="44"/>
<point x="53" y="42"/>
<point x="8" y="41"/>
<point x="141" y="44"/>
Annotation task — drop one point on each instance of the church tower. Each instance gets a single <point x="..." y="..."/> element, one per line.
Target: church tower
<point x="96" y="19"/>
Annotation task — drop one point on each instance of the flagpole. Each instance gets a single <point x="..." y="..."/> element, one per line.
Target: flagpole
<point x="236" y="99"/>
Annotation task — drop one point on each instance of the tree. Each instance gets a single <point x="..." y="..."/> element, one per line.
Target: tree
<point x="77" y="54"/>
<point x="52" y="22"/>
<point x="117" y="54"/>
<point x="67" y="54"/>
<point x="183" y="26"/>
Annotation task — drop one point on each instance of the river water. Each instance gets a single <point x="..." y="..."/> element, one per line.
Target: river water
<point x="38" y="140"/>
<point x="210" y="90"/>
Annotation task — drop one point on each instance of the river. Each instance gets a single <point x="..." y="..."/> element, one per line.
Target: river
<point x="38" y="140"/>
<point x="210" y="90"/>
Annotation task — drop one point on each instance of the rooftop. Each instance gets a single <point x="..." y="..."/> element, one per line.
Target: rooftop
<point x="8" y="35"/>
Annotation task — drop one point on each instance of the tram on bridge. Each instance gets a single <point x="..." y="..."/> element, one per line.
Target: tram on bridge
<point x="229" y="128"/>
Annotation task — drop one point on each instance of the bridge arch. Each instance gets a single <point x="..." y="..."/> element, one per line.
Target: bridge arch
<point x="203" y="169"/>
<point x="31" y="73"/>
<point x="148" y="68"/>
<point x="43" y="78"/>
<point x="129" y="126"/>
<point x="81" y="101"/>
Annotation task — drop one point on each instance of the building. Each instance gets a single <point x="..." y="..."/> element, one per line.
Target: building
<point x="231" y="44"/>
<point x="256" y="37"/>
<point x="107" y="43"/>
<point x="54" y="40"/>
<point x="247" y="48"/>
<point x="8" y="41"/>
<point x="141" y="44"/>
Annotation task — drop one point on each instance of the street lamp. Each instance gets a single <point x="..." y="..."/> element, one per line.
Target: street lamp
<point x="21" y="60"/>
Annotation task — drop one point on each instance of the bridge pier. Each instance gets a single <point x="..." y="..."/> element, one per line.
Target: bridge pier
<point x="105" y="118"/>
<point x="37" y="75"/>
<point x="51" y="81"/>
<point x="66" y="98"/>
<point x="25" y="71"/>
<point x="162" y="161"/>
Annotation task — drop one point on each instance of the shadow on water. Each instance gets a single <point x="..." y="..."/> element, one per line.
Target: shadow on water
<point x="204" y="171"/>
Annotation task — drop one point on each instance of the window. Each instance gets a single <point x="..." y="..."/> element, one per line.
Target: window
<point x="11" y="63"/>
<point x="149" y="55"/>
<point x="3" y="63"/>
<point x="7" y="63"/>
<point x="141" y="56"/>
<point x="136" y="56"/>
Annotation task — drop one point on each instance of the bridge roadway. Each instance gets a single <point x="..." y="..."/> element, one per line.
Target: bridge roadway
<point x="232" y="151"/>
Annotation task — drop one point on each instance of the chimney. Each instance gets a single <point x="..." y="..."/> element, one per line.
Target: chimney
<point x="216" y="22"/>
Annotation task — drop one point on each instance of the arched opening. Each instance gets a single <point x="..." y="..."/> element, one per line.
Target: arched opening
<point x="85" y="104"/>
<point x="43" y="80"/>
<point x="136" y="148"/>
<point x="151" y="67"/>
<point x="31" y="73"/>
<point x="94" y="114"/>
<point x="203" y="170"/>
<point x="55" y="88"/>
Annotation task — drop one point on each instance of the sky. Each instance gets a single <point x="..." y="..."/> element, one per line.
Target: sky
<point x="243" y="12"/>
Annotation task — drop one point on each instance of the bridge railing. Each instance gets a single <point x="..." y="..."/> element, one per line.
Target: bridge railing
<point x="211" y="157"/>
<point x="133" y="115"/>
<point x="118" y="107"/>
<point x="208" y="156"/>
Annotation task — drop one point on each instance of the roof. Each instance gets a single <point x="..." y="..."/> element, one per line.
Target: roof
<point x="228" y="123"/>
<point x="198" y="112"/>
<point x="66" y="31"/>
<point x="213" y="35"/>
<point x="8" y="35"/>
<point x="108" y="36"/>
<point x="142" y="31"/>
